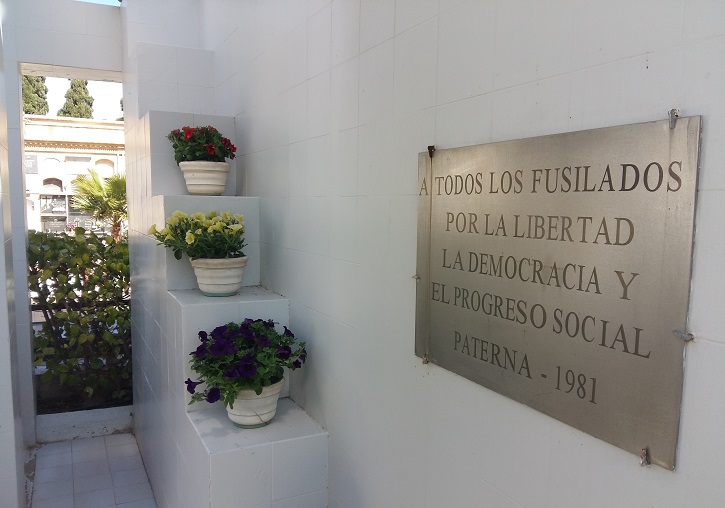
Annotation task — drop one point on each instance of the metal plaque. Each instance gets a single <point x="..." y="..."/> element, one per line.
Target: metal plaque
<point x="556" y="271"/>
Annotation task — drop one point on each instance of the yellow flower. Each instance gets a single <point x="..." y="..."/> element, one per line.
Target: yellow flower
<point x="212" y="214"/>
<point x="190" y="237"/>
<point x="215" y="227"/>
<point x="198" y="231"/>
<point x="179" y="214"/>
<point x="239" y="218"/>
<point x="169" y="237"/>
<point x="152" y="230"/>
<point x="165" y="231"/>
<point x="236" y="227"/>
<point x="199" y="216"/>
<point x="172" y="221"/>
<point x="226" y="216"/>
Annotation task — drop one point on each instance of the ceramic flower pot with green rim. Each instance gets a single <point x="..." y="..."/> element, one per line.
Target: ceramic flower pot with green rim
<point x="219" y="277"/>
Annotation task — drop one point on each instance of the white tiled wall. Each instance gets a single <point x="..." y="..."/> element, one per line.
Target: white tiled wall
<point x="332" y="101"/>
<point x="332" y="105"/>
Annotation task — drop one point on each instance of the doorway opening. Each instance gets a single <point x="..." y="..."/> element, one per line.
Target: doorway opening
<point x="77" y="255"/>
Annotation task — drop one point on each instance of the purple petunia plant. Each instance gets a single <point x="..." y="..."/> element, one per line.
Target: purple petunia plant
<point x="237" y="356"/>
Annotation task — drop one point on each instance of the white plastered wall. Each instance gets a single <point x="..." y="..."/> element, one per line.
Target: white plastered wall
<point x="333" y="100"/>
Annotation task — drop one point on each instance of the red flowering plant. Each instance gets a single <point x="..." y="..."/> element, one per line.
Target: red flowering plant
<point x="201" y="144"/>
<point x="237" y="356"/>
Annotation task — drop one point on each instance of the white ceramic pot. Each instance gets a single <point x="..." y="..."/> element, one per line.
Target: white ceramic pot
<point x="251" y="410"/>
<point x="219" y="277"/>
<point x="205" y="178"/>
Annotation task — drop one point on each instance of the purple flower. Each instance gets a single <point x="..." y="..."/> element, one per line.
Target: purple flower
<point x="213" y="395"/>
<point x="303" y="355"/>
<point x="191" y="385"/>
<point x="221" y="347"/>
<point x="247" y="370"/>
<point x="200" y="351"/>
<point x="247" y="367"/>
<point x="269" y="324"/>
<point x="219" y="332"/>
<point x="296" y="364"/>
<point x="264" y="342"/>
<point x="284" y="352"/>
<point x="203" y="336"/>
<point x="288" y="332"/>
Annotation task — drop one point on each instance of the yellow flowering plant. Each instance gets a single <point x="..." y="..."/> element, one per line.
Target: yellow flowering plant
<point x="203" y="236"/>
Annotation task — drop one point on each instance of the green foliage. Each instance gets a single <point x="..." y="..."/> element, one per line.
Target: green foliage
<point x="35" y="95"/>
<point x="102" y="198"/>
<point x="78" y="102"/>
<point x="81" y="284"/>
<point x="200" y="144"/>
<point x="203" y="236"/>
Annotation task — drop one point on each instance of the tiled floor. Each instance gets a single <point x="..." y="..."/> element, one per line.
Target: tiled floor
<point x="97" y="472"/>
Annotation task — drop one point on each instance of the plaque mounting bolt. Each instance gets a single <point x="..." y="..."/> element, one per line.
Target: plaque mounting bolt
<point x="431" y="149"/>
<point x="644" y="457"/>
<point x="674" y="115"/>
<point x="426" y="360"/>
<point x="686" y="336"/>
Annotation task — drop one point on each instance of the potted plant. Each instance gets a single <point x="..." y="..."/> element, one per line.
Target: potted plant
<point x="242" y="364"/>
<point x="201" y="153"/>
<point x="213" y="242"/>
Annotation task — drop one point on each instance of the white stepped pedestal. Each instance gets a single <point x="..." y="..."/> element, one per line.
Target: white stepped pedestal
<point x="281" y="465"/>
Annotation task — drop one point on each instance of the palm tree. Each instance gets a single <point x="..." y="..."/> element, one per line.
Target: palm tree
<point x="103" y="199"/>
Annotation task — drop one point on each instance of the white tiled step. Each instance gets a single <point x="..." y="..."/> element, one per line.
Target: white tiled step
<point x="281" y="465"/>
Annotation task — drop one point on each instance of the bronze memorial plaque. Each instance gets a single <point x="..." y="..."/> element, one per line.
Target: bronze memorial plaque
<point x="556" y="271"/>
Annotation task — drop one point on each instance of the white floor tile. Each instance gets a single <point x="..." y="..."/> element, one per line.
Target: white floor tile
<point x="96" y="499"/>
<point x="50" y="490"/>
<point x="125" y="463"/>
<point x="53" y="474"/>
<point x="123" y="450"/>
<point x="146" y="503"/>
<point x="83" y="484"/>
<point x="129" y="477"/>
<point x="137" y="492"/>
<point x="100" y="472"/>
<point x="54" y="460"/>
<point x="90" y="468"/>
<point x="53" y="448"/>
<point x="55" y="502"/>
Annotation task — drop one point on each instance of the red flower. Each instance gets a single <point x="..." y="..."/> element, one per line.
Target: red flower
<point x="234" y="149"/>
<point x="188" y="133"/>
<point x="210" y="149"/>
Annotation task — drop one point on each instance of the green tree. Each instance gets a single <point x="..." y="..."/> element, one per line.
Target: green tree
<point x="35" y="95"/>
<point x="103" y="199"/>
<point x="78" y="102"/>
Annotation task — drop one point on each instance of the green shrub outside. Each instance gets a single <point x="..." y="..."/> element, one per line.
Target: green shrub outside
<point x="81" y="284"/>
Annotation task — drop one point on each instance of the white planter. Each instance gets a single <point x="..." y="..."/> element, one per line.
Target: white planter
<point x="219" y="277"/>
<point x="205" y="178"/>
<point x="251" y="410"/>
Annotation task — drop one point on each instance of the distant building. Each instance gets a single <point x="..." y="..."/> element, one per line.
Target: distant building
<point x="57" y="150"/>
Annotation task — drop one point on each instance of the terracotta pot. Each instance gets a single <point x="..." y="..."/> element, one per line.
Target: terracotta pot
<point x="219" y="277"/>
<point x="251" y="410"/>
<point x="205" y="178"/>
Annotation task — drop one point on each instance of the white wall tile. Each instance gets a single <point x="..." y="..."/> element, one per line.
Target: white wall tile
<point x="344" y="95"/>
<point x="410" y="13"/>
<point x="345" y="36"/>
<point x="319" y="33"/>
<point x="415" y="68"/>
<point x="376" y="75"/>
<point x="377" y="22"/>
<point x="288" y="479"/>
<point x="466" y="52"/>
